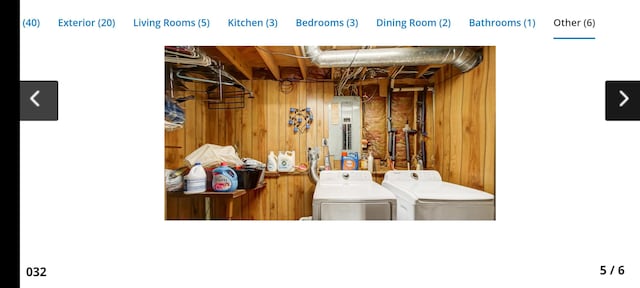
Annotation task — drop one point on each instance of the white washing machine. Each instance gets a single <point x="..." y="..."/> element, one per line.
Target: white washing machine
<point x="422" y="195"/>
<point x="351" y="195"/>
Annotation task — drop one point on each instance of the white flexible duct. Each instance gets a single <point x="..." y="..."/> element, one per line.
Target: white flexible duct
<point x="462" y="58"/>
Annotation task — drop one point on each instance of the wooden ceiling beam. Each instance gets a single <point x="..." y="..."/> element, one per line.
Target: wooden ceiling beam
<point x="392" y="70"/>
<point x="268" y="59"/>
<point x="301" y="63"/>
<point x="235" y="57"/>
<point x="425" y="68"/>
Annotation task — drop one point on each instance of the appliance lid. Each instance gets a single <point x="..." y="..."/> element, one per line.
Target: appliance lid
<point x="435" y="190"/>
<point x="352" y="191"/>
<point x="447" y="191"/>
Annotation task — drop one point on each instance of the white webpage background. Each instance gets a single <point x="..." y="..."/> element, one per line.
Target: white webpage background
<point x="92" y="207"/>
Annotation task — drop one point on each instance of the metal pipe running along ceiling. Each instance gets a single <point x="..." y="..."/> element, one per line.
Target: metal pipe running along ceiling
<point x="462" y="58"/>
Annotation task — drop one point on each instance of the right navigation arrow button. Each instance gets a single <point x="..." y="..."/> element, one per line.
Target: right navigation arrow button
<point x="626" y="98"/>
<point x="619" y="102"/>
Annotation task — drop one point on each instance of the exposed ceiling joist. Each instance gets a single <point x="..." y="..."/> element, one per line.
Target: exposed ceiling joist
<point x="322" y="63"/>
<point x="235" y="58"/>
<point x="301" y="63"/>
<point x="393" y="71"/>
<point x="425" y="68"/>
<point x="268" y="59"/>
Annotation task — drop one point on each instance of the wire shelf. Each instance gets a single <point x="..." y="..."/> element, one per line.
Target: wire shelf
<point x="228" y="98"/>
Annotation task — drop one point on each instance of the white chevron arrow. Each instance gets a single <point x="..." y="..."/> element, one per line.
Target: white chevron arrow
<point x="626" y="98"/>
<point x="33" y="98"/>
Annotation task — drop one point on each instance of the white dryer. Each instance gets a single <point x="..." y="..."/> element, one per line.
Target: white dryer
<point x="351" y="195"/>
<point x="422" y="195"/>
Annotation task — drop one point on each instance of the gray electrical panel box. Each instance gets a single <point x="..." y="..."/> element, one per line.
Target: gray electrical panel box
<point x="344" y="125"/>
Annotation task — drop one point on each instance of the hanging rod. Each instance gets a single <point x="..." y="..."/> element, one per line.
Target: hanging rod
<point x="180" y="74"/>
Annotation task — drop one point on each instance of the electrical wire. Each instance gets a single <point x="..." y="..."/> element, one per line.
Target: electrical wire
<point x="283" y="54"/>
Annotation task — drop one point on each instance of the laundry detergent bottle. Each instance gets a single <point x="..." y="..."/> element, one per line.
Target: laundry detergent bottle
<point x="195" y="181"/>
<point x="272" y="162"/>
<point x="225" y="179"/>
<point x="286" y="161"/>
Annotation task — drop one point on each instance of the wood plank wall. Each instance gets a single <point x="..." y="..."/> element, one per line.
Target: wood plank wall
<point x="462" y="141"/>
<point x="179" y="143"/>
<point x="262" y="127"/>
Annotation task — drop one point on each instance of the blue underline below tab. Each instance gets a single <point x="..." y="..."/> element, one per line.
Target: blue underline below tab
<point x="574" y="38"/>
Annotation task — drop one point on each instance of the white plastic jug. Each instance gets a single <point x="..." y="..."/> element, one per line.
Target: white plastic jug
<point x="196" y="180"/>
<point x="286" y="161"/>
<point x="272" y="162"/>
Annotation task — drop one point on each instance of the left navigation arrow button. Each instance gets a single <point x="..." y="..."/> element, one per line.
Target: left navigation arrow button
<point x="33" y="98"/>
<point x="39" y="100"/>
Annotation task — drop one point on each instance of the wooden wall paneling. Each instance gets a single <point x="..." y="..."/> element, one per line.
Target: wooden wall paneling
<point x="327" y="92"/>
<point x="455" y="117"/>
<point x="430" y="128"/>
<point x="243" y="206"/>
<point x="284" y="145"/>
<point x="242" y="123"/>
<point x="212" y="126"/>
<point x="438" y="135"/>
<point x="446" y="123"/>
<point x="174" y="152"/>
<point x="295" y="191"/>
<point x="327" y="97"/>
<point x="221" y="129"/>
<point x="175" y="157"/>
<point x="247" y="129"/>
<point x="472" y="165"/>
<point x="464" y="141"/>
<point x="300" y="181"/>
<point x="190" y="121"/>
<point x="189" y="208"/>
<point x="273" y="119"/>
<point x="231" y="128"/>
<point x="198" y="209"/>
<point x="259" y="122"/>
<point x="174" y="143"/>
<point x="245" y="139"/>
<point x="184" y="209"/>
<point x="203" y="120"/>
<point x="313" y="141"/>
<point x="489" y="56"/>
<point x="171" y="208"/>
<point x="259" y="142"/>
<point x="219" y="209"/>
<point x="234" y="136"/>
